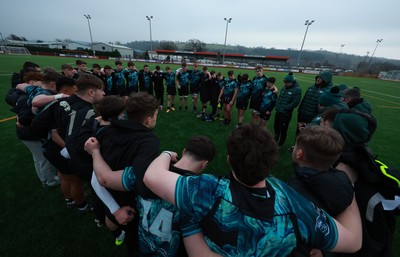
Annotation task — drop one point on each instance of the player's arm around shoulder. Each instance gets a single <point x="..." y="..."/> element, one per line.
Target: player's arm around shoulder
<point x="197" y="247"/>
<point x="106" y="176"/>
<point x="349" y="229"/>
<point x="159" y="179"/>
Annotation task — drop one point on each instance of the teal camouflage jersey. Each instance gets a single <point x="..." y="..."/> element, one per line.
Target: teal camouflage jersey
<point x="33" y="91"/>
<point x="120" y="78"/>
<point x="160" y="223"/>
<point x="268" y="101"/>
<point x="110" y="85"/>
<point x="132" y="76"/>
<point x="244" y="92"/>
<point x="183" y="78"/>
<point x="195" y="78"/>
<point x="249" y="236"/>
<point x="259" y="84"/>
<point x="169" y="79"/>
<point x="230" y="86"/>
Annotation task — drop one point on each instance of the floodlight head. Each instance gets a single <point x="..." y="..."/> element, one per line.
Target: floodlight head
<point x="87" y="16"/>
<point x="379" y="40"/>
<point x="228" y="20"/>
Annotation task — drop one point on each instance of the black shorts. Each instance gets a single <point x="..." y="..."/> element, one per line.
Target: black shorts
<point x="184" y="91"/>
<point x="194" y="89"/>
<point x="242" y="104"/>
<point x="255" y="104"/>
<point x="226" y="99"/>
<point x="171" y="91"/>
<point x="205" y="94"/>
<point x="265" y="116"/>
<point x="52" y="153"/>
<point x="123" y="91"/>
<point x="132" y="90"/>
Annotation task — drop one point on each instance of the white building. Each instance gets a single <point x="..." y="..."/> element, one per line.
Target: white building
<point x="125" y="51"/>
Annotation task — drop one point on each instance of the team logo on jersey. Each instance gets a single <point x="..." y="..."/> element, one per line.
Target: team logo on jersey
<point x="320" y="222"/>
<point x="65" y="105"/>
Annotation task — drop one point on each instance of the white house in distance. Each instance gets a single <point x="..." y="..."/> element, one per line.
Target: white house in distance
<point x="125" y="51"/>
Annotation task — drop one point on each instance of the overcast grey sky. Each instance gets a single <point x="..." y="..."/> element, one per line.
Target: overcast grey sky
<point x="280" y="24"/>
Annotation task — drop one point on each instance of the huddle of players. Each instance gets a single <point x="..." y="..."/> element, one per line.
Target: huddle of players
<point x="69" y="120"/>
<point x="210" y="86"/>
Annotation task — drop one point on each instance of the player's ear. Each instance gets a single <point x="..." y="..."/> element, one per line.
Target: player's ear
<point x="203" y="165"/>
<point x="147" y="121"/>
<point x="91" y="92"/>
<point x="299" y="154"/>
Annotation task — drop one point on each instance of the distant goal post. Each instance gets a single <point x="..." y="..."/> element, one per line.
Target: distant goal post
<point x="14" y="50"/>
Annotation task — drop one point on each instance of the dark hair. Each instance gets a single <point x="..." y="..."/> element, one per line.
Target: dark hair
<point x="352" y="94"/>
<point x="230" y="73"/>
<point x="144" y="66"/>
<point x="212" y="72"/>
<point x="245" y="77"/>
<point x="140" y="106"/>
<point x="321" y="146"/>
<point x="66" y="67"/>
<point x="88" y="81"/>
<point x="29" y="66"/>
<point x="252" y="153"/>
<point x="271" y="80"/>
<point x="64" y="82"/>
<point x="330" y="114"/>
<point x="110" y="107"/>
<point x="316" y="78"/>
<point x="335" y="90"/>
<point x="48" y="69"/>
<point x="219" y="74"/>
<point x="205" y="68"/>
<point x="200" y="148"/>
<point x="107" y="67"/>
<point x="130" y="63"/>
<point x="51" y="76"/>
<point x="118" y="63"/>
<point x="96" y="65"/>
<point x="167" y="68"/>
<point x="32" y="75"/>
<point x="158" y="67"/>
<point x="79" y="62"/>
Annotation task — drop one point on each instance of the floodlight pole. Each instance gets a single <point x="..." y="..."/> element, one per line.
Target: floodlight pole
<point x="226" y="34"/>
<point x="341" y="46"/>
<point x="87" y="16"/>
<point x="2" y="39"/>
<point x="151" y="40"/>
<point x="308" y="23"/>
<point x="366" y="57"/>
<point x="340" y="51"/>
<point x="377" y="43"/>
